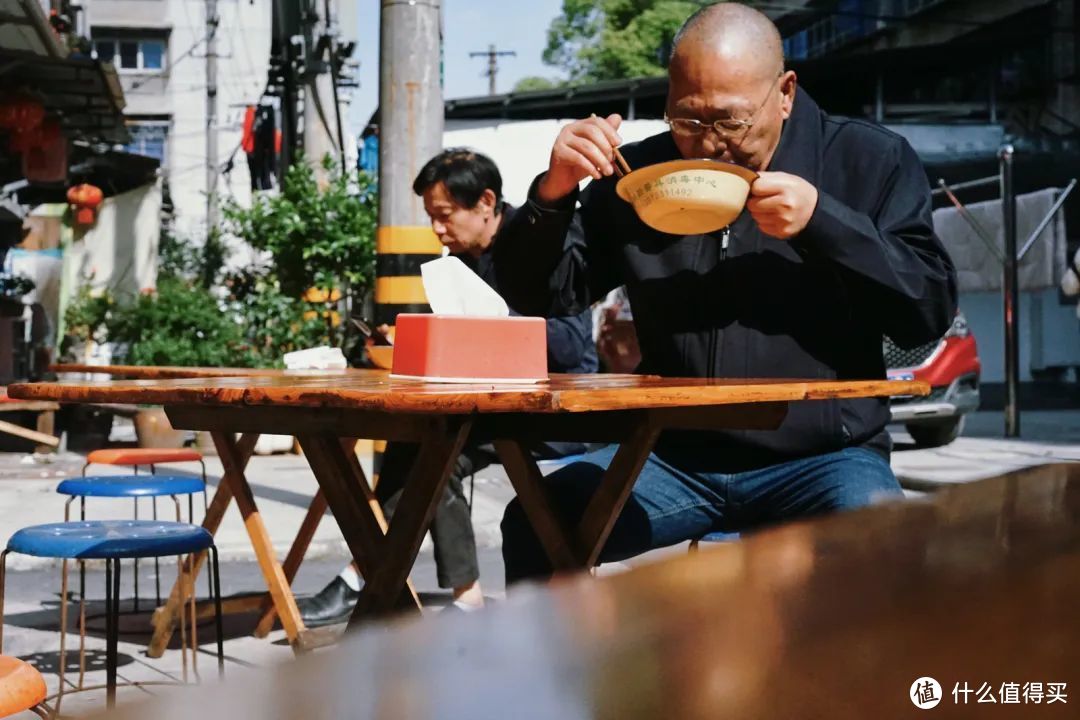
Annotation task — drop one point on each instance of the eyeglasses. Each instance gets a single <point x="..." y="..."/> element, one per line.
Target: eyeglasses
<point x="724" y="127"/>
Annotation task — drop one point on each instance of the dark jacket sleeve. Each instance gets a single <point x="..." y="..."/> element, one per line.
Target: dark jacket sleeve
<point x="570" y="344"/>
<point x="893" y="261"/>
<point x="549" y="259"/>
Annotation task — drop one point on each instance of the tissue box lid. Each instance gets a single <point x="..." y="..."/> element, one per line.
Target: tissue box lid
<point x="457" y="348"/>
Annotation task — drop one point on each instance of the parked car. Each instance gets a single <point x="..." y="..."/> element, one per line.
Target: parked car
<point x="951" y="366"/>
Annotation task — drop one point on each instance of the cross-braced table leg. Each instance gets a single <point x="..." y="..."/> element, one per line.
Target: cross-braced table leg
<point x="234" y="456"/>
<point x="311" y="522"/>
<point x="385" y="561"/>
<point x="577" y="548"/>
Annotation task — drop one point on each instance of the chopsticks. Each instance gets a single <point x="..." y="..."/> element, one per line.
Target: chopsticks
<point x="621" y="166"/>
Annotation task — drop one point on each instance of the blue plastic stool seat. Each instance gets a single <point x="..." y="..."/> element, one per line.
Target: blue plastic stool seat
<point x="119" y="486"/>
<point x="110" y="539"/>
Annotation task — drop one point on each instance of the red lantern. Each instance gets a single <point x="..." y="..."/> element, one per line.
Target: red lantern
<point x="46" y="161"/>
<point x="21" y="114"/>
<point x="85" y="199"/>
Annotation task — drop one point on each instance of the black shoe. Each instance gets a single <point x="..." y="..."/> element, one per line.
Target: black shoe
<point x="332" y="604"/>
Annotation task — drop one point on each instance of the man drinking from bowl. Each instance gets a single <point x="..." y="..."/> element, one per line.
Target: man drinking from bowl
<point x="834" y="249"/>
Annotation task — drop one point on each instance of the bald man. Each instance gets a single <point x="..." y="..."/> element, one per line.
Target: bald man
<point x="834" y="250"/>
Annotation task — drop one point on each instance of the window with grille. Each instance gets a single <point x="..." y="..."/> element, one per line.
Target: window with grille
<point x="132" y="54"/>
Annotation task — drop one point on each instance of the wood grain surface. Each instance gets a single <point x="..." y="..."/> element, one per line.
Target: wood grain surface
<point x="377" y="390"/>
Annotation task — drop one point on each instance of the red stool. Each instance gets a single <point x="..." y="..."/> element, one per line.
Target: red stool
<point x="143" y="456"/>
<point x="21" y="688"/>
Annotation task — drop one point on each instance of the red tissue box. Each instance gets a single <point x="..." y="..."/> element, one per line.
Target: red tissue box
<point x="457" y="348"/>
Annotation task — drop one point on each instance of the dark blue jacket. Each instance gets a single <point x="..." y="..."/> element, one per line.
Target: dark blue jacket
<point x="868" y="264"/>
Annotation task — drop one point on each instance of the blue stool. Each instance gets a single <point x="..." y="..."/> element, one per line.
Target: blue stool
<point x="135" y="487"/>
<point x="113" y="541"/>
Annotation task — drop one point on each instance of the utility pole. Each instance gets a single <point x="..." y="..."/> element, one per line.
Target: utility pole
<point x="493" y="56"/>
<point x="211" y="117"/>
<point x="322" y="123"/>
<point x="283" y="78"/>
<point x="410" y="133"/>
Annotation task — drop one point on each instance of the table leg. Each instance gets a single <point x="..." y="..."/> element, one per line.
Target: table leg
<point x="307" y="530"/>
<point x="284" y="602"/>
<point x="608" y="501"/>
<point x="528" y="483"/>
<point x="387" y="576"/>
<point x="304" y="535"/>
<point x="164" y="619"/>
<point x="368" y="489"/>
<point x="337" y="479"/>
<point x="577" y="548"/>
<point x="46" y="420"/>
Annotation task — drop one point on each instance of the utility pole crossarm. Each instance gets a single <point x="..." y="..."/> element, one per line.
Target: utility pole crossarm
<point x="493" y="56"/>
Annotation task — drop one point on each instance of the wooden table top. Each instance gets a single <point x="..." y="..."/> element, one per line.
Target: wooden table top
<point x="375" y="389"/>
<point x="151" y="372"/>
<point x="830" y="618"/>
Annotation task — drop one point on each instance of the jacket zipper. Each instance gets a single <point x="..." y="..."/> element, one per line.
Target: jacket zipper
<point x="725" y="239"/>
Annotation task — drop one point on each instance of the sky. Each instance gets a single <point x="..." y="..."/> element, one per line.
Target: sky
<point x="468" y="26"/>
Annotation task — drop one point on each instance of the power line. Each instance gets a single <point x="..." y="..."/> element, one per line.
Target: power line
<point x="172" y="64"/>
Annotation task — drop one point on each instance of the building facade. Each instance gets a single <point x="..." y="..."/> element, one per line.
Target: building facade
<point x="158" y="48"/>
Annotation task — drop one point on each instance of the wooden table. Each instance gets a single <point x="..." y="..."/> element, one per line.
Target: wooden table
<point x="830" y="618"/>
<point x="325" y="409"/>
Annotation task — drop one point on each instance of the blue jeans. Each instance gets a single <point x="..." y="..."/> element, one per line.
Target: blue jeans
<point x="675" y="500"/>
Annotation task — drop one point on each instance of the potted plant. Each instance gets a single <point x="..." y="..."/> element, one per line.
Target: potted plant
<point x="179" y="323"/>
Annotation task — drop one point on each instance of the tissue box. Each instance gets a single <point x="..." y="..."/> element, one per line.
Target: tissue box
<point x="457" y="348"/>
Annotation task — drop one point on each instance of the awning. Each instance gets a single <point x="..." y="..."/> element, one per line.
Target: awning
<point x="113" y="171"/>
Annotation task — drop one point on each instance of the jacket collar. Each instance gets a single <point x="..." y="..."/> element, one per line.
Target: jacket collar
<point x="800" y="149"/>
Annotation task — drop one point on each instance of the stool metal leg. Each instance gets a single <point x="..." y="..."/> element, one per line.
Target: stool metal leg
<point x="157" y="566"/>
<point x="112" y="593"/>
<point x="191" y="520"/>
<point x="194" y="618"/>
<point x="216" y="576"/>
<point x="182" y="586"/>
<point x="63" y="629"/>
<point x="3" y="585"/>
<point x="205" y="500"/>
<point x="136" y="580"/>
<point x="82" y="623"/>
<point x="82" y="605"/>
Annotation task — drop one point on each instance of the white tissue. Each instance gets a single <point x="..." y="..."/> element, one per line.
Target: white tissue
<point x="323" y="357"/>
<point x="454" y="289"/>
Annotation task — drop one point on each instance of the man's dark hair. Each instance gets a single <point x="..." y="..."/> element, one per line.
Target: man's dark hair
<point x="466" y="174"/>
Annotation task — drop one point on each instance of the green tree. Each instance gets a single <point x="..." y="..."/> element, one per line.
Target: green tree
<point x="317" y="237"/>
<point x="614" y="39"/>
<point x="179" y="323"/>
<point x="535" y="82"/>
<point x="320" y="243"/>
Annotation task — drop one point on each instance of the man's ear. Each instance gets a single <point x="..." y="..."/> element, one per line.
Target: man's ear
<point x="487" y="201"/>
<point x="788" y="83"/>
